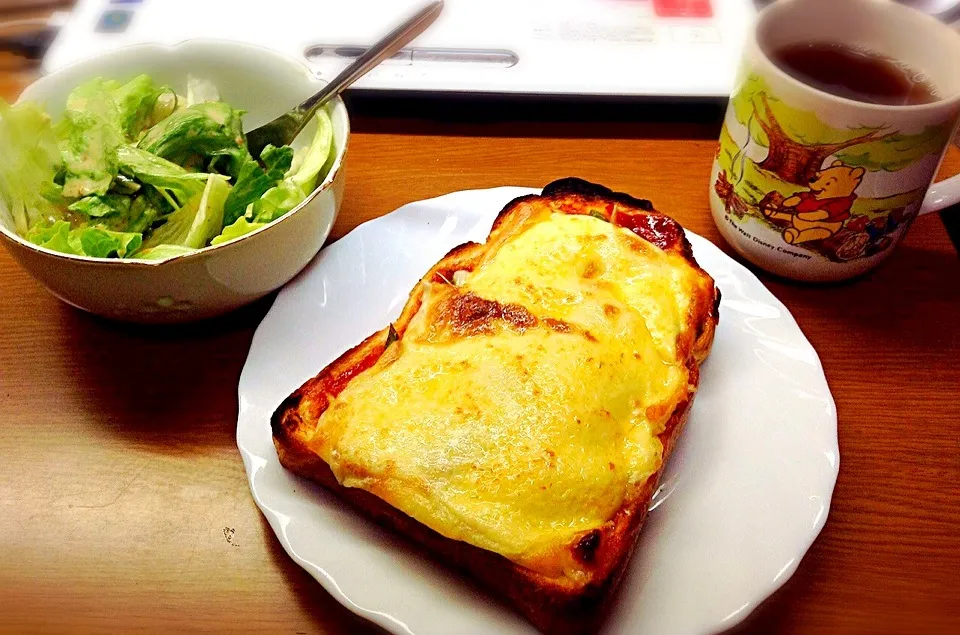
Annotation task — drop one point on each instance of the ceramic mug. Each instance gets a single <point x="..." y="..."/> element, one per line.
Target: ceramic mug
<point x="816" y="187"/>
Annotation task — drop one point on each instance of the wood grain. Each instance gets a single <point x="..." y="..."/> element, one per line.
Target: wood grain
<point x="123" y="501"/>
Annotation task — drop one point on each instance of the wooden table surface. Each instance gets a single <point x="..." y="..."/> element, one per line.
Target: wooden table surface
<point x="123" y="501"/>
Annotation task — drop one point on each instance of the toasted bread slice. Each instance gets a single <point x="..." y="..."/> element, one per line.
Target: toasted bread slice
<point x="516" y="417"/>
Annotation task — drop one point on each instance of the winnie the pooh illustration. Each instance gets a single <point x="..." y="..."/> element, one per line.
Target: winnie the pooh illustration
<point x="821" y="211"/>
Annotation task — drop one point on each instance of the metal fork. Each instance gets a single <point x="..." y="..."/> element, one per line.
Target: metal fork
<point x="285" y="128"/>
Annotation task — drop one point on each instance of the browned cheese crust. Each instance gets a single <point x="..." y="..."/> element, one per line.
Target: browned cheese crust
<point x="554" y="605"/>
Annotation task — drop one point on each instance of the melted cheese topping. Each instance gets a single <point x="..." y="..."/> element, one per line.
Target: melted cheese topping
<point x="518" y="439"/>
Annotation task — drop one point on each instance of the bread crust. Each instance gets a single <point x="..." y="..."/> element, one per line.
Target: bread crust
<point x="555" y="605"/>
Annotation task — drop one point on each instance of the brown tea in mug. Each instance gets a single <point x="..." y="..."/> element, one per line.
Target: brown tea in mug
<point x="855" y="73"/>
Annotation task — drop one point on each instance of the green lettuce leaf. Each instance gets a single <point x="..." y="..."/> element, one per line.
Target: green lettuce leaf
<point x="103" y="243"/>
<point x="160" y="173"/>
<point x="90" y="133"/>
<point x="144" y="212"/>
<point x="253" y="181"/>
<point x="194" y="224"/>
<point x="135" y="102"/>
<point x="122" y="213"/>
<point x="100" y="206"/>
<point x="237" y="229"/>
<point x="190" y="137"/>
<point x="96" y="242"/>
<point x="55" y="237"/>
<point x="277" y="201"/>
<point x="29" y="160"/>
<point x="318" y="157"/>
<point x="99" y="116"/>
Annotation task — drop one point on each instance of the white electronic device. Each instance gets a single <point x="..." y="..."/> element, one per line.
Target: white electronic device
<point x="639" y="48"/>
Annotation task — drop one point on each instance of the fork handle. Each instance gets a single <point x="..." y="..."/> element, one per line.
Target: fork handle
<point x="386" y="47"/>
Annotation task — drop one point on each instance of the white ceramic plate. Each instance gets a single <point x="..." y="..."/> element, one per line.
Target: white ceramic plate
<point x="743" y="497"/>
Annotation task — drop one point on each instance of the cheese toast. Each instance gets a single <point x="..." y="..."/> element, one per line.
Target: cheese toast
<point x="515" y="419"/>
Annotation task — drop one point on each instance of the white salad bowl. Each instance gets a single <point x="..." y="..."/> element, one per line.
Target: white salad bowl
<point x="216" y="279"/>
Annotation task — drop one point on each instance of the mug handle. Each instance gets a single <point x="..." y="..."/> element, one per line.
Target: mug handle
<point x="941" y="194"/>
